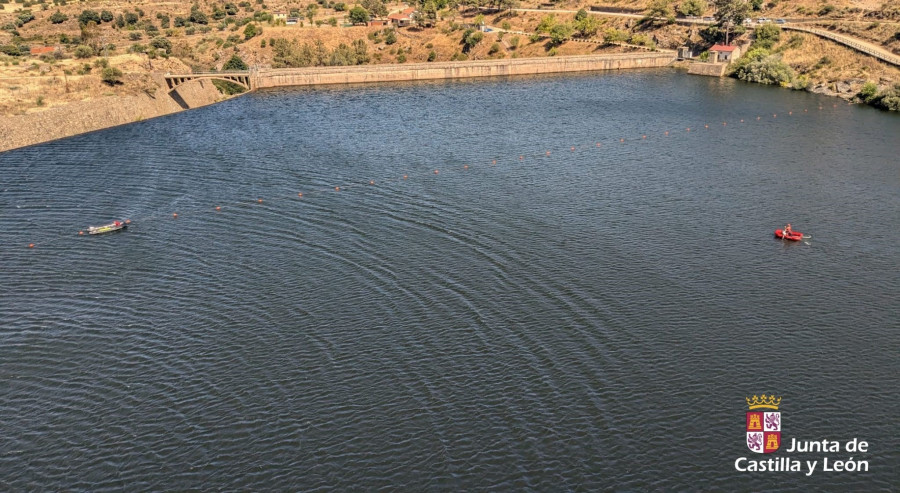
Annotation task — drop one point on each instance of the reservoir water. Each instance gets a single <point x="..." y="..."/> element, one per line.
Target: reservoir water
<point x="502" y="295"/>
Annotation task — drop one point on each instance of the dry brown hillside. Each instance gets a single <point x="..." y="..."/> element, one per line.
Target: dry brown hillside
<point x="52" y="53"/>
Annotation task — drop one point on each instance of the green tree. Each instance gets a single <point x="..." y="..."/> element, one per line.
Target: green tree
<point x="235" y="63"/>
<point x="762" y="67"/>
<point x="561" y="33"/>
<point x="390" y="37"/>
<point x="767" y="35"/>
<point x="106" y="16"/>
<point x="731" y="11"/>
<point x="692" y="7"/>
<point x="58" y="17"/>
<point x="25" y="17"/>
<point x="471" y="38"/>
<point x="613" y="35"/>
<point x="198" y="16"/>
<point x="161" y="44"/>
<point x="587" y="26"/>
<point x="659" y="8"/>
<point x="252" y="30"/>
<point x="311" y="11"/>
<point x="359" y="15"/>
<point x="427" y="15"/>
<point x="375" y="7"/>
<point x="546" y="24"/>
<point x="88" y="16"/>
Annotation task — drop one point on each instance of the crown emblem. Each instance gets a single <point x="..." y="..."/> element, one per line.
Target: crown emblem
<point x="764" y="401"/>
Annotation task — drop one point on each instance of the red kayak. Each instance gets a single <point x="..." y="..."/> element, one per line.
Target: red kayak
<point x="793" y="235"/>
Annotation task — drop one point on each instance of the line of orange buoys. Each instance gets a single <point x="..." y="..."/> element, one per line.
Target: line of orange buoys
<point x="547" y="153"/>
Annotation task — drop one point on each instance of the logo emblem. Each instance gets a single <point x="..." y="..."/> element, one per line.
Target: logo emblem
<point x="763" y="426"/>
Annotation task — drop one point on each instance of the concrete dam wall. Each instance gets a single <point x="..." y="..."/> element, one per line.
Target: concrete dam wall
<point x="456" y="70"/>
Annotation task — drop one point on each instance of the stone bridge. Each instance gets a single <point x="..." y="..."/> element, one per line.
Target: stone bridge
<point x="240" y="77"/>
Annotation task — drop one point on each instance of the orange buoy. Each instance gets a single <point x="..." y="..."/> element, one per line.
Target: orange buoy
<point x="724" y="123"/>
<point x="643" y="136"/>
<point x="548" y="153"/>
<point x="774" y="115"/>
<point x="81" y="233"/>
<point x="259" y="200"/>
<point x="436" y="171"/>
<point x="31" y="245"/>
<point x="371" y="182"/>
<point x="175" y="215"/>
<point x="742" y="120"/>
<point x="621" y="140"/>
<point x="494" y="161"/>
<point x="598" y="144"/>
<point x="337" y="189"/>
<point x="667" y="132"/>
<point x="707" y="125"/>
<point x="218" y="208"/>
<point x="405" y="177"/>
<point x="790" y="113"/>
<point x="758" y="117"/>
<point x="300" y="194"/>
<point x="465" y="166"/>
<point x="128" y="221"/>
<point x="688" y="129"/>
<point x="521" y="158"/>
<point x="573" y="148"/>
<point x="805" y="110"/>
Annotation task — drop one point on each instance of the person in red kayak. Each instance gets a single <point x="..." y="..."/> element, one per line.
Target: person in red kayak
<point x="118" y="223"/>
<point x="787" y="230"/>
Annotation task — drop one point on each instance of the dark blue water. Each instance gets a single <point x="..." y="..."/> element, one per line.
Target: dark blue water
<point x="588" y="319"/>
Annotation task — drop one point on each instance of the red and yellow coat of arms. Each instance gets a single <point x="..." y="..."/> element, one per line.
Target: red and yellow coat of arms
<point x="763" y="424"/>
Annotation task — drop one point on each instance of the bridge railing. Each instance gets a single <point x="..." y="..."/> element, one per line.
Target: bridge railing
<point x="201" y="74"/>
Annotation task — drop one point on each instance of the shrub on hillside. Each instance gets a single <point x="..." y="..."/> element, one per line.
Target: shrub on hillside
<point x="111" y="76"/>
<point x="161" y="44"/>
<point x="58" y="17"/>
<point x="868" y="93"/>
<point x="83" y="51"/>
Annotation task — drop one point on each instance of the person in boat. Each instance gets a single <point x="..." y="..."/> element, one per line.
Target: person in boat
<point x="117" y="223"/>
<point x="787" y="230"/>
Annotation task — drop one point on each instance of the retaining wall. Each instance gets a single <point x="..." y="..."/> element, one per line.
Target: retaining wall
<point x="710" y="69"/>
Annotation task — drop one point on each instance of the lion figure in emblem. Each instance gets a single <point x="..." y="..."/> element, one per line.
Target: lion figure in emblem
<point x="754" y="442"/>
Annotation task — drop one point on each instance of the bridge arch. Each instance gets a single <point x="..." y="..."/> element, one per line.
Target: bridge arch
<point x="240" y="78"/>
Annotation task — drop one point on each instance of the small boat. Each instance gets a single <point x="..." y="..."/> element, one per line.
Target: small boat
<point x="107" y="228"/>
<point x="793" y="235"/>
